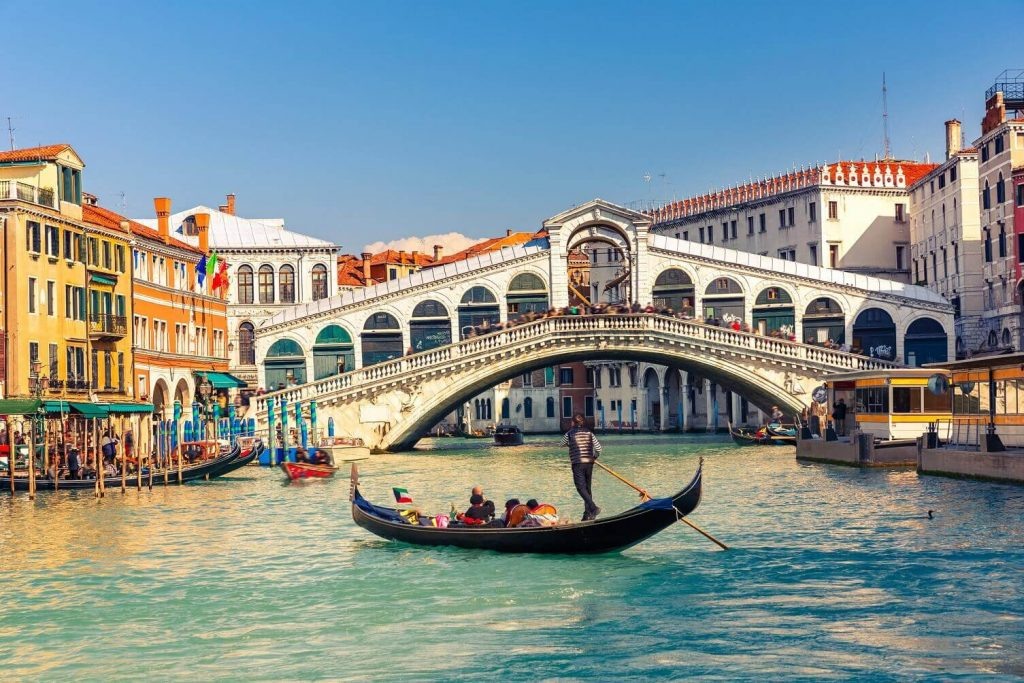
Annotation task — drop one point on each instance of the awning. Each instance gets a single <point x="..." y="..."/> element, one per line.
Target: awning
<point x="222" y="380"/>
<point x="20" y="406"/>
<point x="102" y="280"/>
<point x="56" y="407"/>
<point x="129" y="408"/>
<point x="89" y="410"/>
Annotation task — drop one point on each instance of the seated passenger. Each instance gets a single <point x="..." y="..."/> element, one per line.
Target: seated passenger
<point x="476" y="514"/>
<point x="509" y="506"/>
<point x="488" y="504"/>
<point x="321" y="457"/>
<point x="538" y="514"/>
<point x="301" y="456"/>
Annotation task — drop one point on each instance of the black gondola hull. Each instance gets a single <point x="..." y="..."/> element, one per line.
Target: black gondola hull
<point x="599" y="536"/>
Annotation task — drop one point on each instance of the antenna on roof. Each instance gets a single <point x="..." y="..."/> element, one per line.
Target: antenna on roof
<point x="10" y="132"/>
<point x="885" y="119"/>
<point x="124" y="203"/>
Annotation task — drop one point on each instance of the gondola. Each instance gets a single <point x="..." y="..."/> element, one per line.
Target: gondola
<point x="763" y="437"/>
<point x="508" y="435"/>
<point x="201" y="470"/>
<point x="248" y="454"/>
<point x="608" y="534"/>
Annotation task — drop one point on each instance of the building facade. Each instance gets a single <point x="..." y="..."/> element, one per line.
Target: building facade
<point x="946" y="249"/>
<point x="271" y="269"/>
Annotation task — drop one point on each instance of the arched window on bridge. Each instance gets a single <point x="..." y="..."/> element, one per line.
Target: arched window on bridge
<point x="506" y="409"/>
<point x="285" y="361"/>
<point x="874" y="334"/>
<point x="723" y="300"/>
<point x="773" y="312"/>
<point x="673" y="289"/>
<point x="823" y="320"/>
<point x="527" y="408"/>
<point x="429" y="326"/>
<point x="381" y="339"/>
<point x="333" y="352"/>
<point x="478" y="304"/>
<point x="926" y="342"/>
<point x="526" y="293"/>
<point x="551" y="406"/>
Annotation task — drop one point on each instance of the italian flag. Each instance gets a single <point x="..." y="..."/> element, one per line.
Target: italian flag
<point x="402" y="495"/>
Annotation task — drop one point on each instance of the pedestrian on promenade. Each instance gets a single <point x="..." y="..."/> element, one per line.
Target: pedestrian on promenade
<point x="584" y="448"/>
<point x="839" y="415"/>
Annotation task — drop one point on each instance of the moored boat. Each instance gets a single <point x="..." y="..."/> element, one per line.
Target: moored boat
<point x="607" y="534"/>
<point x="508" y="435"/>
<point x="764" y="436"/>
<point x="343" y="448"/>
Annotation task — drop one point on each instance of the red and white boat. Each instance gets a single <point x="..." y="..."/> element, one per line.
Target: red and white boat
<point x="307" y="470"/>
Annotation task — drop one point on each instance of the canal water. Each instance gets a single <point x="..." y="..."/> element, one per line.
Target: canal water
<point x="834" y="573"/>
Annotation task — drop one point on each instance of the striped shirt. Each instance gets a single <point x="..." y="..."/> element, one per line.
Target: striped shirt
<point x="583" y="445"/>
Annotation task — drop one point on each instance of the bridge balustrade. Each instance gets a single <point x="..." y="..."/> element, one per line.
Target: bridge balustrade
<point x="560" y="326"/>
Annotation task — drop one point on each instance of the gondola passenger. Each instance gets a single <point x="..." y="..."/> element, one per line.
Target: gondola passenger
<point x="321" y="457"/>
<point x="476" y="514"/>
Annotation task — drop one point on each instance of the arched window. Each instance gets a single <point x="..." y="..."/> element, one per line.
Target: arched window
<point x="527" y="407"/>
<point x="526" y="293"/>
<point x="551" y="406"/>
<point x="246" y="341"/>
<point x="319" y="282"/>
<point x="986" y="199"/>
<point x="381" y="339"/>
<point x="266" y="282"/>
<point x="245" y="291"/>
<point x="285" y="364"/>
<point x="287" y="284"/>
<point x="429" y="326"/>
<point x="1006" y="337"/>
<point x="505" y="409"/>
<point x="477" y="306"/>
<point x="1000" y="190"/>
<point x="332" y="352"/>
<point x="992" y="338"/>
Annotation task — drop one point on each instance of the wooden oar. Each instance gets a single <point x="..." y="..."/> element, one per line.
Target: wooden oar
<point x="646" y="496"/>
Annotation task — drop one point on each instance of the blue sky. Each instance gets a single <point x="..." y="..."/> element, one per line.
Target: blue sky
<point x="360" y="122"/>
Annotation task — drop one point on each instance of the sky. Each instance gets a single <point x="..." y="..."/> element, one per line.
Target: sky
<point x="371" y="122"/>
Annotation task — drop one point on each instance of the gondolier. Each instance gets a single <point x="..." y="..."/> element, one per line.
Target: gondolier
<point x="584" y="448"/>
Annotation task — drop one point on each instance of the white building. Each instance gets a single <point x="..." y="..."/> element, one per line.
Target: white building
<point x="271" y="269"/>
<point x="946" y="245"/>
<point x="1001" y="150"/>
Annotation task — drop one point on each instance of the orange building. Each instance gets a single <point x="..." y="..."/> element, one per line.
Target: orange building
<point x="179" y="327"/>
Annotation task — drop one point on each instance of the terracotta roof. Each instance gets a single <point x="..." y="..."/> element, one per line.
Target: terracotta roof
<point x="97" y="215"/>
<point x="809" y="177"/>
<point x="45" y="153"/>
<point x="350" y="272"/>
<point x="516" y="239"/>
<point x="400" y="258"/>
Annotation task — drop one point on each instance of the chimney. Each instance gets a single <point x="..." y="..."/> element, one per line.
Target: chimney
<point x="163" y="215"/>
<point x="203" y="228"/>
<point x="508" y="232"/>
<point x="231" y="204"/>
<point x="126" y="226"/>
<point x="415" y="256"/>
<point x="366" y="267"/>
<point x="401" y="256"/>
<point x="438" y="249"/>
<point x="953" y="137"/>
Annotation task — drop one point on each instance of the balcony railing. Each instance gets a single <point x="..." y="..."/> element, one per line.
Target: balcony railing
<point x="108" y="325"/>
<point x="12" y="189"/>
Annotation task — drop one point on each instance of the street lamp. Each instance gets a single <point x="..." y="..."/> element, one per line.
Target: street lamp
<point x="36" y="383"/>
<point x="205" y="391"/>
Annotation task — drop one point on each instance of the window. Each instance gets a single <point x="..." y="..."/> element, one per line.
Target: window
<point x="711" y="234"/>
<point x="287" y="284"/>
<point x="956" y="258"/>
<point x="632" y="375"/>
<point x="528" y="408"/>
<point x="988" y="246"/>
<point x="813" y="254"/>
<point x="812" y="212"/>
<point x="901" y="213"/>
<point x="108" y="370"/>
<point x="787" y="254"/>
<point x="320" y="289"/>
<point x="266" y="283"/>
<point x="732" y="229"/>
<point x="106" y="255"/>
<point x="588" y="406"/>
<point x="791" y="216"/>
<point x="33" y="352"/>
<point x="245" y="292"/>
<point x="750" y="225"/>
<point x="550" y="405"/>
<point x="782" y="218"/>
<point x="725" y="231"/>
<point x="998" y="143"/>
<point x="567" y="406"/>
<point x="900" y="253"/>
<point x="590" y="376"/>
<point x="54" y="369"/>
<point x="984" y="152"/>
<point x="51" y="298"/>
<point x="686" y="234"/>
<point x="833" y="211"/>
<point x="952" y="174"/>
<point x="1000" y="190"/>
<point x="52" y="241"/>
<point x="1002" y="240"/>
<point x="32" y="237"/>
<point x="942" y="181"/>
<point x="614" y="377"/>
<point x="564" y="376"/>
<point x="702" y="234"/>
<point x="1020" y="195"/>
<point x="833" y="256"/>
<point x="120" y="372"/>
<point x="95" y="367"/>
<point x="528" y="379"/>
<point x="31" y="295"/>
<point x="392" y="273"/>
<point x="120" y="263"/>
<point x="69" y="253"/>
<point x="763" y="223"/>
<point x="986" y="199"/>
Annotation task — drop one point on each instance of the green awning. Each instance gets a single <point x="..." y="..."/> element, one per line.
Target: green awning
<point x="89" y="410"/>
<point x="222" y="380"/>
<point x="20" y="406"/>
<point x="52" y="407"/>
<point x="129" y="408"/>
<point x="102" y="280"/>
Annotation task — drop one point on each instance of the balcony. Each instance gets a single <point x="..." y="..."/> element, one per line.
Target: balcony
<point x="12" y="189"/>
<point x="105" y="326"/>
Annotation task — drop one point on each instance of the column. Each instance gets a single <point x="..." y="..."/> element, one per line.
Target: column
<point x="736" y="416"/>
<point x="709" y="400"/>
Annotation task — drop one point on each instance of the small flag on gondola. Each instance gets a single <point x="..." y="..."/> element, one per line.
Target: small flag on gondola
<point x="402" y="495"/>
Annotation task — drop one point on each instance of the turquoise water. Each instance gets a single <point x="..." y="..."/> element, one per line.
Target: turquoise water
<point x="835" y="573"/>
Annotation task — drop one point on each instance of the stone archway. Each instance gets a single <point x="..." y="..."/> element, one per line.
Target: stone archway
<point x="652" y="400"/>
<point x="161" y="398"/>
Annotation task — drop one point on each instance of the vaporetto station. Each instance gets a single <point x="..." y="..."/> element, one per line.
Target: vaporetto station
<point x="390" y="360"/>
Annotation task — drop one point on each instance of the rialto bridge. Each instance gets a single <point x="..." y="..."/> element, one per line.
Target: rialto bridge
<point x="388" y="361"/>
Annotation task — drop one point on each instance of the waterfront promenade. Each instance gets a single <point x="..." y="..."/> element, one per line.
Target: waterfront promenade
<point x="834" y="573"/>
